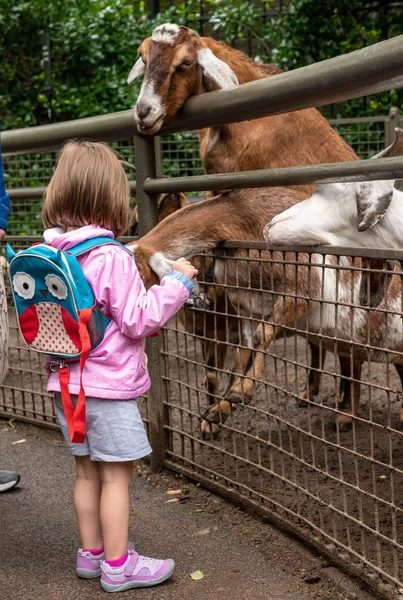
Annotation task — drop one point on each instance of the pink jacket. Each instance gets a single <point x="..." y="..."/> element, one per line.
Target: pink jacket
<point x="117" y="368"/>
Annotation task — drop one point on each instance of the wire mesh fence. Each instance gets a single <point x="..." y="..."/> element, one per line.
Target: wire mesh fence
<point x="283" y="390"/>
<point x="299" y="388"/>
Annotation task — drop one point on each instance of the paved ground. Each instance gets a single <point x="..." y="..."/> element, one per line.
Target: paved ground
<point x="241" y="557"/>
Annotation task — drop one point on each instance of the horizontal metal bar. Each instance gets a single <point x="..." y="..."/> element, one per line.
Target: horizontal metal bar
<point x="363" y="170"/>
<point x="106" y="128"/>
<point x="20" y="194"/>
<point x="355" y="120"/>
<point x="370" y="70"/>
<point x="367" y="71"/>
<point x="329" y="250"/>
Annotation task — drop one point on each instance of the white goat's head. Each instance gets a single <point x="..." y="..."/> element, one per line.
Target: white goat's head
<point x="335" y="211"/>
<point x="176" y="63"/>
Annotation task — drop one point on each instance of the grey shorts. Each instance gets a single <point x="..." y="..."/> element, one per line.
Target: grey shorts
<point x="115" y="431"/>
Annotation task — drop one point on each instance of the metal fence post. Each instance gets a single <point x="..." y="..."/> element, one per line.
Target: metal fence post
<point x="393" y="121"/>
<point x="148" y="218"/>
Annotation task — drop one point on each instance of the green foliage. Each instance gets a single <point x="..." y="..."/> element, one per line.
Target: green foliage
<point x="94" y="45"/>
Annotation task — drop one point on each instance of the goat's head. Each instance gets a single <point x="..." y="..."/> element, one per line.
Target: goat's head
<point x="176" y="63"/>
<point x="336" y="210"/>
<point x="167" y="205"/>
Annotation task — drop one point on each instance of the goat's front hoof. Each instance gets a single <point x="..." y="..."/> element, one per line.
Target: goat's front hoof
<point x="302" y="398"/>
<point x="213" y="416"/>
<point x="209" y="431"/>
<point x="234" y="397"/>
<point x="344" y="423"/>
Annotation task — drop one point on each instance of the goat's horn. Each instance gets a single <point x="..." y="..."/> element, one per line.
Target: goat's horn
<point x="395" y="149"/>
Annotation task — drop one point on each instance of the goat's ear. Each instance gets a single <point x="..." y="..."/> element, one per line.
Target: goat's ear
<point x="170" y="203"/>
<point x="375" y="286"/>
<point x="137" y="71"/>
<point x="373" y="200"/>
<point x="216" y="71"/>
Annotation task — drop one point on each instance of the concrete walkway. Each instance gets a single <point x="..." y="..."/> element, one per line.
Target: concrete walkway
<point x="241" y="557"/>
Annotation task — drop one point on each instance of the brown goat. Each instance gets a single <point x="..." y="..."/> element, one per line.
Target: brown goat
<point x="214" y="331"/>
<point x="177" y="63"/>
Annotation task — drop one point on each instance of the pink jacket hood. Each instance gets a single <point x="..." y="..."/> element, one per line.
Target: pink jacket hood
<point x="117" y="368"/>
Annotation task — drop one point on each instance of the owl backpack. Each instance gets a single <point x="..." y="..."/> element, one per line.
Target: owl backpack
<point x="58" y="314"/>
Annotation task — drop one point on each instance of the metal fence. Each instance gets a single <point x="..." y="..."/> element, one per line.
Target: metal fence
<point x="320" y="464"/>
<point x="177" y="156"/>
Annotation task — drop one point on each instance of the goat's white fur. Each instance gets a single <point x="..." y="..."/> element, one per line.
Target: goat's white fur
<point x="330" y="215"/>
<point x="166" y="33"/>
<point x="137" y="71"/>
<point x="160" y="264"/>
<point x="217" y="70"/>
<point x="368" y="215"/>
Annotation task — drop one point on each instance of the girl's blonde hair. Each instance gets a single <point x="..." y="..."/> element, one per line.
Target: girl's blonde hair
<point x="88" y="187"/>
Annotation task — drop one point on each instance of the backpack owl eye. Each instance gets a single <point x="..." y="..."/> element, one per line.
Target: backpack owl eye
<point x="56" y="287"/>
<point x="24" y="285"/>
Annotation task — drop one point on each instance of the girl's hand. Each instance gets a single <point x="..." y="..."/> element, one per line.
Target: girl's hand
<point x="185" y="267"/>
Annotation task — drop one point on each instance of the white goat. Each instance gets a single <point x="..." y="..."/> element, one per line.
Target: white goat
<point x="365" y="214"/>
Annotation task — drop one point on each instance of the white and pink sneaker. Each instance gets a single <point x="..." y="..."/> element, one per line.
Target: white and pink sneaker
<point x="88" y="565"/>
<point x="137" y="572"/>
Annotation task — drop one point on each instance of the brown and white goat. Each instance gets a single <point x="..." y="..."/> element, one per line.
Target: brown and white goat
<point x="237" y="215"/>
<point x="177" y="63"/>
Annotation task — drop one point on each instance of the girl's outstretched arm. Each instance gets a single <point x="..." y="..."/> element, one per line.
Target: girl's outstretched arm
<point x="119" y="289"/>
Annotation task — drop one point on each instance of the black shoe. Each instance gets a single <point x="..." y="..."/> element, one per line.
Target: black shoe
<point x="8" y="480"/>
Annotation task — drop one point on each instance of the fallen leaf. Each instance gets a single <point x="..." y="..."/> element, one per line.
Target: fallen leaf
<point x="203" y="532"/>
<point x="382" y="477"/>
<point x="197" y="575"/>
<point x="172" y="492"/>
<point x="18" y="442"/>
<point x="11" y="423"/>
<point x="172" y="500"/>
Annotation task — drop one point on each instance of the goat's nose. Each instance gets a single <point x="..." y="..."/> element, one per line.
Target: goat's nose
<point x="143" y="111"/>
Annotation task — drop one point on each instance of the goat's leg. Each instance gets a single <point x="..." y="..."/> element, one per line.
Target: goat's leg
<point x="214" y="413"/>
<point x="314" y="377"/>
<point x="399" y="369"/>
<point x="348" y="398"/>
<point x="286" y="314"/>
<point x="219" y="411"/>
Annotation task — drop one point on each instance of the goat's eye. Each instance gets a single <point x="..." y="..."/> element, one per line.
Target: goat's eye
<point x="187" y="63"/>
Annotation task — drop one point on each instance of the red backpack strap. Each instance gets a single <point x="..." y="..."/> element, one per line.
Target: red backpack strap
<point x="76" y="416"/>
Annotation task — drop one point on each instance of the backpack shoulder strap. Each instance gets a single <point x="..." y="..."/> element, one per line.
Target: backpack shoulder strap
<point x="88" y="245"/>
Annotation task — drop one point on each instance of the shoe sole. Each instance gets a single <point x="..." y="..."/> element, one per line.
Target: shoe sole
<point x="109" y="587"/>
<point x="87" y="573"/>
<point x="9" y="485"/>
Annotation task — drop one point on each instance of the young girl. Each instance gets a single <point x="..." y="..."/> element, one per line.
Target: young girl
<point x="88" y="196"/>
